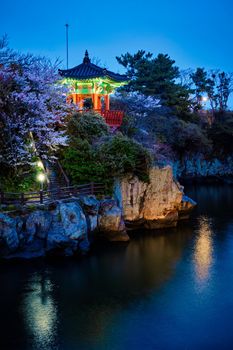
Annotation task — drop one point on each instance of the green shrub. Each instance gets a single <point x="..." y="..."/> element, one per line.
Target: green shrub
<point x="87" y="126"/>
<point x="122" y="155"/>
<point x="80" y="162"/>
<point x="113" y="157"/>
<point x="21" y="180"/>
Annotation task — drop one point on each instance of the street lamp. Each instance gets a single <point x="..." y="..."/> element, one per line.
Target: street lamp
<point x="41" y="178"/>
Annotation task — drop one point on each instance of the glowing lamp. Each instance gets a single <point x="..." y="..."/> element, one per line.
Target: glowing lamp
<point x="41" y="178"/>
<point x="40" y="164"/>
<point x="204" y="98"/>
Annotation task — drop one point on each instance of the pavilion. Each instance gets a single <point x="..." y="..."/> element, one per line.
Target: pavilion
<point x="90" y="87"/>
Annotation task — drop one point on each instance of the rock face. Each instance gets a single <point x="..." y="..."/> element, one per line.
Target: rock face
<point x="62" y="228"/>
<point x="91" y="207"/>
<point x="73" y="220"/>
<point x="8" y="233"/>
<point x="38" y="223"/>
<point x="152" y="205"/>
<point x="185" y="208"/>
<point x="66" y="228"/>
<point x="111" y="223"/>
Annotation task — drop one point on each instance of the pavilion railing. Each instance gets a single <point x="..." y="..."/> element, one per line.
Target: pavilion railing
<point x="113" y="118"/>
<point x="46" y="196"/>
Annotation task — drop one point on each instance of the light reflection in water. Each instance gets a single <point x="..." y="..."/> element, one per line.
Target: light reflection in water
<point x="40" y="312"/>
<point x="203" y="250"/>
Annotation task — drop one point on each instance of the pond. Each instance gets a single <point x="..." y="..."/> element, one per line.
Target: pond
<point x="167" y="289"/>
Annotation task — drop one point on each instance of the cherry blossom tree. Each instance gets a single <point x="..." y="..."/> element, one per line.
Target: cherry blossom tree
<point x="135" y="103"/>
<point x="32" y="106"/>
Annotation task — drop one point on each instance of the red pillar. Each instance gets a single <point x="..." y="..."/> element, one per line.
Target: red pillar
<point x="107" y="102"/>
<point x="98" y="101"/>
<point x="95" y="101"/>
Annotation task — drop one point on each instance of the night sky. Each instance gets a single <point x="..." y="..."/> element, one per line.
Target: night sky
<point x="194" y="33"/>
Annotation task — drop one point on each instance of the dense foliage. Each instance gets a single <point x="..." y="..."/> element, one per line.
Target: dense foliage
<point x="221" y="134"/>
<point x="170" y="138"/>
<point x="88" y="126"/>
<point x="191" y="118"/>
<point x="157" y="76"/>
<point x="94" y="154"/>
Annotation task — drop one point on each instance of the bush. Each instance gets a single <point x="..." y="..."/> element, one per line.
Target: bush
<point x="80" y="162"/>
<point x="128" y="126"/>
<point x="122" y="155"/>
<point x="87" y="126"/>
<point x="221" y="134"/>
<point x="113" y="157"/>
<point x="22" y="181"/>
<point x="187" y="138"/>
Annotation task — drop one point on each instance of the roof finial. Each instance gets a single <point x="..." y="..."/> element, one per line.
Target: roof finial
<point x="86" y="58"/>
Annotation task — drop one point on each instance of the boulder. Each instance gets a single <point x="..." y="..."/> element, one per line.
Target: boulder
<point x="73" y="220"/>
<point x="186" y="207"/>
<point x="8" y="233"/>
<point x="89" y="204"/>
<point x="110" y="221"/>
<point x="90" y="207"/>
<point x="33" y="249"/>
<point x="38" y="224"/>
<point x="59" y="244"/>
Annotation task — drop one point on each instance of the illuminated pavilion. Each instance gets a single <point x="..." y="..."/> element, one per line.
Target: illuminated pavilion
<point x="91" y="87"/>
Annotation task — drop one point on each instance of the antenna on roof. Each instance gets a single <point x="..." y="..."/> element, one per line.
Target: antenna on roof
<point x="67" y="45"/>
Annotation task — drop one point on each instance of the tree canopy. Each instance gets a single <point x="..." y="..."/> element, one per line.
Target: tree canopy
<point x="31" y="105"/>
<point x="156" y="76"/>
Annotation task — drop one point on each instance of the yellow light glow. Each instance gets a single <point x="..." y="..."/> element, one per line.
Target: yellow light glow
<point x="204" y="99"/>
<point x="41" y="177"/>
<point x="203" y="254"/>
<point x="40" y="164"/>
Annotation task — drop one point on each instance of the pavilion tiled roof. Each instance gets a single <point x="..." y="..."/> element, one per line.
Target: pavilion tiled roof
<point x="88" y="70"/>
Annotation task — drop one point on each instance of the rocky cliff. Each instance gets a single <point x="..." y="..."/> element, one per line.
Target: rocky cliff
<point x="199" y="168"/>
<point x="157" y="204"/>
<point x="66" y="228"/>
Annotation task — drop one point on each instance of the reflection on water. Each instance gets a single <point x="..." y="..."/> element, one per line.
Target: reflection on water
<point x="39" y="311"/>
<point x="141" y="295"/>
<point x="203" y="249"/>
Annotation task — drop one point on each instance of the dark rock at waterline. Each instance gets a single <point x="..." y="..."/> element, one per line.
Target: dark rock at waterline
<point x="38" y="223"/>
<point x="8" y="232"/>
<point x="169" y="220"/>
<point x="111" y="223"/>
<point x="60" y="229"/>
<point x="186" y="207"/>
<point x="67" y="227"/>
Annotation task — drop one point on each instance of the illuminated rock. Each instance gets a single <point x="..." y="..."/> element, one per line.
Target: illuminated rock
<point x="155" y="204"/>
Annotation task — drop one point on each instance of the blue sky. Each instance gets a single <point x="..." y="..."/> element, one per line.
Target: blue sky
<point x="194" y="33"/>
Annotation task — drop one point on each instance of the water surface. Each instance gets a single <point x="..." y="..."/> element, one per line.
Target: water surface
<point x="168" y="289"/>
